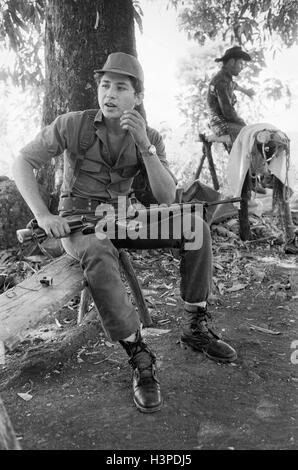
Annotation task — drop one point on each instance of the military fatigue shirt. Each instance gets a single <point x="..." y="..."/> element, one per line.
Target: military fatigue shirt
<point x="100" y="176"/>
<point x="221" y="102"/>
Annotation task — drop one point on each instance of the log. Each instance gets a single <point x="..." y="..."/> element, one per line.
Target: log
<point x="27" y="303"/>
<point x="8" y="440"/>
<point x="50" y="355"/>
<point x="24" y="305"/>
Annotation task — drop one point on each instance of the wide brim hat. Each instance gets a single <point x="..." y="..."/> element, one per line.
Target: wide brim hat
<point x="236" y="53"/>
<point x="125" y="64"/>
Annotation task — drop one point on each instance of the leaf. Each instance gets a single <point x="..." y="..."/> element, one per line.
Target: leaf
<point x="25" y="396"/>
<point x="264" y="330"/>
<point x="149" y="292"/>
<point x="154" y="332"/>
<point x="218" y="266"/>
<point x="221" y="287"/>
<point x="138" y="20"/>
<point x="58" y="323"/>
<point x="236" y="287"/>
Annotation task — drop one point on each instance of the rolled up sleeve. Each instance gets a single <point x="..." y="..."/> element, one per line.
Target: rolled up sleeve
<point x="51" y="141"/>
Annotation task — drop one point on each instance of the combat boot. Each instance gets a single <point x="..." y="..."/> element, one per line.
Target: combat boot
<point x="146" y="388"/>
<point x="197" y="334"/>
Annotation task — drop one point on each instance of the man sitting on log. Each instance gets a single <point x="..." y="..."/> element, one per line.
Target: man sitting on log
<point x="102" y="174"/>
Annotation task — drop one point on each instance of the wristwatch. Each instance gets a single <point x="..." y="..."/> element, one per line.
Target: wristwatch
<point x="151" y="151"/>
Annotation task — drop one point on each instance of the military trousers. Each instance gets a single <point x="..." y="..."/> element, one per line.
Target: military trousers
<point x="99" y="259"/>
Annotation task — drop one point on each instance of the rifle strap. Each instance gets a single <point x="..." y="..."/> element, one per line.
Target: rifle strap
<point x="86" y="138"/>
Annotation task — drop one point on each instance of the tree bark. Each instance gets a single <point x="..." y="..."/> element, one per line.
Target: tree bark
<point x="8" y="439"/>
<point x="79" y="35"/>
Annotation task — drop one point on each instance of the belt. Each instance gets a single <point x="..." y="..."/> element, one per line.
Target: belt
<point x="72" y="203"/>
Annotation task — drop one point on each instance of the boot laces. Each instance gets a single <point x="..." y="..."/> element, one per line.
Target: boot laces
<point x="203" y="330"/>
<point x="142" y="359"/>
<point x="199" y="325"/>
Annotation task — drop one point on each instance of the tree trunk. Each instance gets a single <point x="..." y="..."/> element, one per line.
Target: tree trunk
<point x="79" y="35"/>
<point x="14" y="213"/>
<point x="8" y="439"/>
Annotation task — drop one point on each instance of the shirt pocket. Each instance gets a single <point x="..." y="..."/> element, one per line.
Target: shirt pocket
<point x="128" y="172"/>
<point x="91" y="166"/>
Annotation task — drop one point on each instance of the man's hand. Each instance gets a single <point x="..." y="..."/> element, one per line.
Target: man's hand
<point x="247" y="91"/>
<point x="54" y="225"/>
<point x="250" y="92"/>
<point x="136" y="125"/>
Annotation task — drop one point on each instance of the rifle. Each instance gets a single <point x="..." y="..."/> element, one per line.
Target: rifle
<point x="88" y="224"/>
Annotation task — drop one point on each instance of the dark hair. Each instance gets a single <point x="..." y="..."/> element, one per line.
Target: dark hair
<point x="136" y="83"/>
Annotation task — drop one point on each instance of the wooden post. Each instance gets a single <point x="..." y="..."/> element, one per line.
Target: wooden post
<point x="211" y="165"/>
<point x="8" y="440"/>
<point x="279" y="197"/>
<point x="207" y="153"/>
<point x="200" y="167"/>
<point x="244" y="227"/>
<point x="288" y="221"/>
<point x="135" y="287"/>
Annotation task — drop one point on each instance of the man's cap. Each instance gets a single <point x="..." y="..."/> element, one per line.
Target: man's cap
<point x="126" y="64"/>
<point x="234" y="53"/>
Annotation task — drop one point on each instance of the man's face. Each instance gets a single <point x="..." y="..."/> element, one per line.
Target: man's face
<point x="237" y="66"/>
<point x="116" y="94"/>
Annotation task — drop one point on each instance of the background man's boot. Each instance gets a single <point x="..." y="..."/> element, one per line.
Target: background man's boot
<point x="146" y="388"/>
<point x="197" y="335"/>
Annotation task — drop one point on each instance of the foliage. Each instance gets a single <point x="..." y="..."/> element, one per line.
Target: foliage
<point x="138" y="14"/>
<point x="195" y="71"/>
<point x="21" y="30"/>
<point x="215" y="25"/>
<point x="16" y="16"/>
<point x="240" y="21"/>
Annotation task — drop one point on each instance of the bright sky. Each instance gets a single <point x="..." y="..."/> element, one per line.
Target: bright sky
<point x="159" y="49"/>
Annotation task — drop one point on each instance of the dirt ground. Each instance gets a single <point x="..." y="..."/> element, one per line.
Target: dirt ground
<point x="86" y="403"/>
